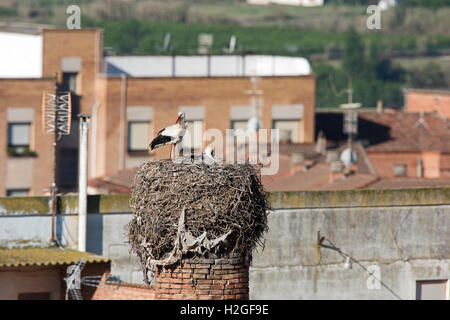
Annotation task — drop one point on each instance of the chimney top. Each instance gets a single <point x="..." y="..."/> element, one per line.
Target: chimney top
<point x="332" y="155"/>
<point x="321" y="144"/>
<point x="298" y="158"/>
<point x="379" y="106"/>
<point x="336" y="166"/>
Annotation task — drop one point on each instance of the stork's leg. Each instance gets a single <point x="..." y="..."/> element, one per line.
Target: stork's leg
<point x="172" y="153"/>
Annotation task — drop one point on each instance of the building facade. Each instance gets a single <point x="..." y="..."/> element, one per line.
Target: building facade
<point x="130" y="99"/>
<point x="428" y="100"/>
<point x="396" y="241"/>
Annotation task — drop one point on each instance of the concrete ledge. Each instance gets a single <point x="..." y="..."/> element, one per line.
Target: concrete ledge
<point x="24" y="206"/>
<point x="66" y="205"/>
<point x="360" y="198"/>
<point x="279" y="200"/>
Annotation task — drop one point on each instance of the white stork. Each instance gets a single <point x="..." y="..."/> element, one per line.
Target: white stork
<point x="170" y="135"/>
<point x="206" y="157"/>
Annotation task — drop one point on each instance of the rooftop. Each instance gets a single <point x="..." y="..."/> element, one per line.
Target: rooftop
<point x="409" y="183"/>
<point x="391" y="131"/>
<point x="410" y="132"/>
<point x="430" y="91"/>
<point x="206" y="66"/>
<point x="23" y="257"/>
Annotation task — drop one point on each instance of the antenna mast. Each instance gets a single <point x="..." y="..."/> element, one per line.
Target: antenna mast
<point x="350" y="125"/>
<point x="56" y="120"/>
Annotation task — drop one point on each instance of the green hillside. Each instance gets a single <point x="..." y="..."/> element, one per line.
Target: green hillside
<point x="411" y="48"/>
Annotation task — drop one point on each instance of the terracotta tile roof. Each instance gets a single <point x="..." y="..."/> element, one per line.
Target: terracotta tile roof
<point x="408" y="183"/>
<point x="312" y="179"/>
<point x="390" y="131"/>
<point x="309" y="149"/>
<point x="115" y="184"/>
<point x="45" y="257"/>
<point x="430" y="91"/>
<point x="407" y="134"/>
<point x="355" y="181"/>
<point x="120" y="182"/>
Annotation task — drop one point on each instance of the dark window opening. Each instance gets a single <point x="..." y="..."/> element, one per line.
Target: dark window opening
<point x="69" y="82"/>
<point x="34" y="296"/>
<point x="17" y="192"/>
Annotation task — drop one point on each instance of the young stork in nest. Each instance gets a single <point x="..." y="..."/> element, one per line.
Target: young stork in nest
<point x="206" y="157"/>
<point x="170" y="135"/>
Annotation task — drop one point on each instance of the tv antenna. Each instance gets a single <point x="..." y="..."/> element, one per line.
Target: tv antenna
<point x="256" y="94"/>
<point x="421" y="121"/>
<point x="56" y="120"/>
<point x="232" y="45"/>
<point x="74" y="281"/>
<point x="167" y="40"/>
<point x="422" y="124"/>
<point x="350" y="124"/>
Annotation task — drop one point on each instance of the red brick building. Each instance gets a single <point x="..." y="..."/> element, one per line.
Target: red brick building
<point x="130" y="100"/>
<point x="408" y="149"/>
<point x="428" y="100"/>
<point x="38" y="273"/>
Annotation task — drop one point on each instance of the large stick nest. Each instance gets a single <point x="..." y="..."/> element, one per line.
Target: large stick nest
<point x="223" y="206"/>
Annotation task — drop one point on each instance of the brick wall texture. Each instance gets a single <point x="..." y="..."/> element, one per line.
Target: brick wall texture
<point x="125" y="292"/>
<point x="429" y="102"/>
<point x="205" y="279"/>
<point x="115" y="94"/>
<point x="190" y="279"/>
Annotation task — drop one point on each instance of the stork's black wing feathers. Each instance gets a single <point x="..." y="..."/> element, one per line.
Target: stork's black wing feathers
<point x="160" y="141"/>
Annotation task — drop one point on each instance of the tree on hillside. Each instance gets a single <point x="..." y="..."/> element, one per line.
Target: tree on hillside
<point x="373" y="77"/>
<point x="424" y="3"/>
<point x="430" y="76"/>
<point x="353" y="59"/>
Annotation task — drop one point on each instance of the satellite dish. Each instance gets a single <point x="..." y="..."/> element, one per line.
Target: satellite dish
<point x="348" y="157"/>
<point x="253" y="124"/>
<point x="350" y="105"/>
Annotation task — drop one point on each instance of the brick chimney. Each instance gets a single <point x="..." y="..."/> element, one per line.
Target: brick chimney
<point x="336" y="170"/>
<point x="379" y="106"/>
<point x="332" y="155"/>
<point x="321" y="144"/>
<point x="205" y="279"/>
<point x="297" y="162"/>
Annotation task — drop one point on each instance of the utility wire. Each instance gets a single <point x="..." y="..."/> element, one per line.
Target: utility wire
<point x="345" y="255"/>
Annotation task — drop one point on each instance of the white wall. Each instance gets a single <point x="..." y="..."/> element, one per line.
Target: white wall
<point x="20" y="55"/>
<point x="197" y="66"/>
<point x="15" y="282"/>
<point x="304" y="3"/>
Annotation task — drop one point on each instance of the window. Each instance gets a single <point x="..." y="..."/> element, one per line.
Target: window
<point x="17" y="192"/>
<point x="19" y="136"/>
<point x="69" y="81"/>
<point x="400" y="170"/>
<point x="432" y="290"/>
<point x="289" y="130"/>
<point x="195" y="140"/>
<point x="239" y="124"/>
<point x="138" y="136"/>
<point x="34" y="296"/>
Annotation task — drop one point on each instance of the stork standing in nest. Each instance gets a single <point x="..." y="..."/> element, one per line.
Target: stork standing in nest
<point x="170" y="135"/>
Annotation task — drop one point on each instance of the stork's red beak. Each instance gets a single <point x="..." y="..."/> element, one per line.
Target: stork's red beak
<point x="178" y="119"/>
